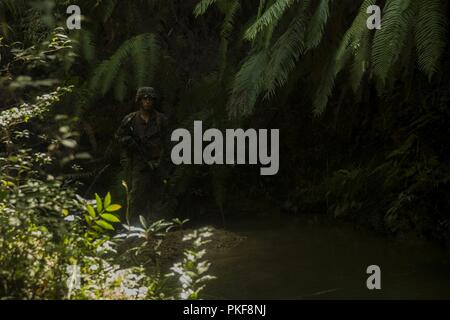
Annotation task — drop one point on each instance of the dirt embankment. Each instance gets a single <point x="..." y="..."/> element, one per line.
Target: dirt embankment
<point x="172" y="246"/>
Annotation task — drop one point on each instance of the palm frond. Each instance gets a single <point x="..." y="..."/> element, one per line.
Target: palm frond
<point x="248" y="84"/>
<point x="350" y="46"/>
<point x="203" y="6"/>
<point x="353" y="35"/>
<point x="269" y="18"/>
<point x="391" y="38"/>
<point x="317" y="24"/>
<point x="430" y="34"/>
<point x="286" y="51"/>
<point x="145" y="59"/>
<point x="86" y="45"/>
<point x="326" y="85"/>
<point x="230" y="10"/>
<point x="142" y="51"/>
<point x="361" y="59"/>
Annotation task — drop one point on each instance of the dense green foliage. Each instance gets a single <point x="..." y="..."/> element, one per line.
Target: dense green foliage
<point x="54" y="243"/>
<point x="363" y="114"/>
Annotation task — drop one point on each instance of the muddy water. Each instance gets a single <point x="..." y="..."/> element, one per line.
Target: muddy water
<point x="315" y="261"/>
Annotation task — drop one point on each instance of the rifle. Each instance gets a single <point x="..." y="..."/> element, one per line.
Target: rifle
<point x="152" y="164"/>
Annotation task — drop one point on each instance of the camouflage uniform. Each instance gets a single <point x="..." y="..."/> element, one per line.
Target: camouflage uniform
<point x="144" y="159"/>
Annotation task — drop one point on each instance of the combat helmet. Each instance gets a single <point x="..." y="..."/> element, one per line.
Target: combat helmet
<point x="146" y="92"/>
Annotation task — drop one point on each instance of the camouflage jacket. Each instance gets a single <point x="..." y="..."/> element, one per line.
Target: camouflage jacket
<point x="143" y="140"/>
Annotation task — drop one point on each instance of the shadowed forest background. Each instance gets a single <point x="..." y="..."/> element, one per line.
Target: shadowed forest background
<point x="363" y="116"/>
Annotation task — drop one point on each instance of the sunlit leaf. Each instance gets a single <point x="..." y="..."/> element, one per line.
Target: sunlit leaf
<point x="114" y="207"/>
<point x="107" y="200"/>
<point x="110" y="217"/>
<point x="99" y="203"/>
<point x="143" y="222"/>
<point x="91" y="211"/>
<point x="105" y="225"/>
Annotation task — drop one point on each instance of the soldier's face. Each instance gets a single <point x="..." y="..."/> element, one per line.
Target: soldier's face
<point x="147" y="104"/>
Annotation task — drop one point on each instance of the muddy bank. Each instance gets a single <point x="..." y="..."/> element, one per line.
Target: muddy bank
<point x="169" y="250"/>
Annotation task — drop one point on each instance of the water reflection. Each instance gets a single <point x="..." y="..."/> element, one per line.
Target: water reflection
<point x="315" y="261"/>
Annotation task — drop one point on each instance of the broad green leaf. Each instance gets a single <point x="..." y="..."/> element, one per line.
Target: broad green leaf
<point x="8" y="183"/>
<point x="91" y="211"/>
<point x="110" y="217"/>
<point x="107" y="200"/>
<point x="104" y="225"/>
<point x="114" y="207"/>
<point x="97" y="228"/>
<point x="99" y="203"/>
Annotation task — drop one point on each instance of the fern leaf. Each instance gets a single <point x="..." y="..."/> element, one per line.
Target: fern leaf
<point x="349" y="46"/>
<point x="203" y="6"/>
<point x="87" y="45"/>
<point x="230" y="13"/>
<point x="248" y="85"/>
<point x="142" y="51"/>
<point x="145" y="58"/>
<point x="391" y="38"/>
<point x="269" y="18"/>
<point x="317" y="24"/>
<point x="361" y="54"/>
<point x="326" y="86"/>
<point x="430" y="35"/>
<point x="354" y="33"/>
<point x="286" y="51"/>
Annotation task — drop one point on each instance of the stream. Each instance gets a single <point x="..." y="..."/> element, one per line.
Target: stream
<point x="292" y="260"/>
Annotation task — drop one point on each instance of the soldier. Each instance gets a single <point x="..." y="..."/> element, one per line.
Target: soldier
<point x="142" y="136"/>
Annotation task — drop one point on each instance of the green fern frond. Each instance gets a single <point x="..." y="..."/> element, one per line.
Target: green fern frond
<point x="430" y="34"/>
<point x="326" y="86"/>
<point x="391" y="38"/>
<point x="145" y="59"/>
<point x="351" y="45"/>
<point x="269" y="18"/>
<point x="232" y="7"/>
<point x="248" y="85"/>
<point x="361" y="59"/>
<point x="142" y="51"/>
<point x="203" y="6"/>
<point x="353" y="35"/>
<point x="286" y="51"/>
<point x="86" y="45"/>
<point x="317" y="24"/>
<point x="229" y="8"/>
